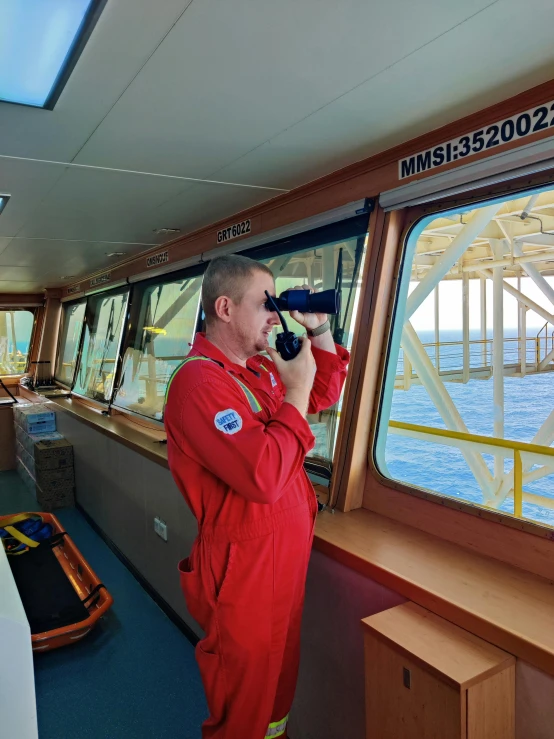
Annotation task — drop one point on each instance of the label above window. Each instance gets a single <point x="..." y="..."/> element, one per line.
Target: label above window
<point x="74" y="289"/>
<point x="100" y="279"/>
<point x="234" y="231"/>
<point x="156" y="259"/>
<point x="516" y="127"/>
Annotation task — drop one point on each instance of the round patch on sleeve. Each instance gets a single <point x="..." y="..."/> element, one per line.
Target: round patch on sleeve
<point x="228" y="421"/>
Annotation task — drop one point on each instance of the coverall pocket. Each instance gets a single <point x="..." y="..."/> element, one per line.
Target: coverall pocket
<point x="193" y="590"/>
<point x="222" y="583"/>
<point x="213" y="679"/>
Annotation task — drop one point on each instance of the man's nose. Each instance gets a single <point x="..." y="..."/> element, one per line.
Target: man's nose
<point x="274" y="318"/>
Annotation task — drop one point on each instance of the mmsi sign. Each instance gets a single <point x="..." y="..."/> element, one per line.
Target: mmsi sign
<point x="517" y="127"/>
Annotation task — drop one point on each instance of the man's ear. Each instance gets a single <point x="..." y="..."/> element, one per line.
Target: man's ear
<point x="223" y="308"/>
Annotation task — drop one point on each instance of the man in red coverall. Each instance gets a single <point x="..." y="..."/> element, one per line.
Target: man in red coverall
<point x="237" y="436"/>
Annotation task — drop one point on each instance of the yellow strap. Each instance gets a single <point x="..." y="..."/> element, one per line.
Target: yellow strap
<point x="21" y="537"/>
<point x="14" y="519"/>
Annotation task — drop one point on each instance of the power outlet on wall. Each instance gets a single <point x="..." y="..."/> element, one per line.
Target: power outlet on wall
<point x="160" y="527"/>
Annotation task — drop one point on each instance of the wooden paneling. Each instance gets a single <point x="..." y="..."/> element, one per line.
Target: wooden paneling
<point x="430" y="708"/>
<point x="502" y="604"/>
<point x="491" y="707"/>
<point x="427" y="678"/>
<point x="346" y="468"/>
<point x="443" y="649"/>
<point x="480" y="531"/>
<point x="367" y="355"/>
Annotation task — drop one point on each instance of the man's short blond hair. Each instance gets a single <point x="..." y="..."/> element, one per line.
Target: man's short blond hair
<point x="227" y="275"/>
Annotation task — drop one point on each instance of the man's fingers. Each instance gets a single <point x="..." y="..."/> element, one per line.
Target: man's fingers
<point x="306" y="344"/>
<point x="275" y="356"/>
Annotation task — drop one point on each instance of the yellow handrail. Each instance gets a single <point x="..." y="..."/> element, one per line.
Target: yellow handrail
<point x="516" y="447"/>
<point x="512" y="444"/>
<point x="518" y="484"/>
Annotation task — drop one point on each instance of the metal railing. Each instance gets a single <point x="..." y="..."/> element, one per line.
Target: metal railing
<point x="488" y="445"/>
<point x="448" y="356"/>
<point x="546" y="341"/>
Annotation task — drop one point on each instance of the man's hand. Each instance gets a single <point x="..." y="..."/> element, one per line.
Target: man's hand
<point x="297" y="375"/>
<point x="307" y="320"/>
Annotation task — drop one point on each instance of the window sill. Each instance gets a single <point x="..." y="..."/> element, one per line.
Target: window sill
<point x="140" y="439"/>
<point x="502" y="604"/>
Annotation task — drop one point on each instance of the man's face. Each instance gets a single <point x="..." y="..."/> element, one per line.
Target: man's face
<point x="251" y="320"/>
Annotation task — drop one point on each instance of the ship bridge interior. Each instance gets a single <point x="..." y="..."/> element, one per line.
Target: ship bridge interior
<point x="399" y="153"/>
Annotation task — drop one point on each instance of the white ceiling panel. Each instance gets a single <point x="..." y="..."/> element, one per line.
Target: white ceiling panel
<point x="112" y="206"/>
<point x="11" y="286"/>
<point x="4" y="242"/>
<point x="231" y="75"/>
<point x="203" y="204"/>
<point x="20" y="274"/>
<point x="58" y="257"/>
<point x="125" y="36"/>
<point x="27" y="184"/>
<point x="443" y="81"/>
<point x="106" y="195"/>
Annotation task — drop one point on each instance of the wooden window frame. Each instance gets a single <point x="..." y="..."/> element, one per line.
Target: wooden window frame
<point x="359" y="483"/>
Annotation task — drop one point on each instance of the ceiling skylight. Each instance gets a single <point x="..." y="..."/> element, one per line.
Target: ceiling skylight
<point x="40" y="42"/>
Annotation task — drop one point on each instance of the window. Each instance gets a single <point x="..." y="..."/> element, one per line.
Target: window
<point x="16" y="328"/>
<point x="41" y="42"/>
<point x="70" y="339"/>
<point x="332" y="265"/>
<point x="467" y="409"/>
<point x="103" y="328"/>
<point x="165" y="324"/>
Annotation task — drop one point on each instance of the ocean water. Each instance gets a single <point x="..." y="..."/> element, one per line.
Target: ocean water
<point x="528" y="402"/>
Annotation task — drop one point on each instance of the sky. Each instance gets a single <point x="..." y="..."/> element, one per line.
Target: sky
<point x="450" y="304"/>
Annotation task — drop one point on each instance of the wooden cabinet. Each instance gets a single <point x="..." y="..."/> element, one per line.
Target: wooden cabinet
<point x="428" y="679"/>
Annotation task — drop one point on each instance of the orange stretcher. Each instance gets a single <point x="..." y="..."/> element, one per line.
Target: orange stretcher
<point x="62" y="597"/>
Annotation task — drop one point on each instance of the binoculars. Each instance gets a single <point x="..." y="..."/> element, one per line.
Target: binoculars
<point x="327" y="301"/>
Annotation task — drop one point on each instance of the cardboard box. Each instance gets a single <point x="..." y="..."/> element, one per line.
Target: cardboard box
<point x="53" y="454"/>
<point x="47" y="479"/>
<point x="24" y="456"/>
<point x="30" y="440"/>
<point x="60" y="495"/>
<point x="41" y="427"/>
<point x="25" y="476"/>
<point x="35" y="418"/>
<point x="19" y="433"/>
<point x="17" y="408"/>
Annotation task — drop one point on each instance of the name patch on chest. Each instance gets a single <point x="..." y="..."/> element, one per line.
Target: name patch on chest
<point x="228" y="421"/>
<point x="273" y="380"/>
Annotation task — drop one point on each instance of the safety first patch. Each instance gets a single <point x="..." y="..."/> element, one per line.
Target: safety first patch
<point x="228" y="421"/>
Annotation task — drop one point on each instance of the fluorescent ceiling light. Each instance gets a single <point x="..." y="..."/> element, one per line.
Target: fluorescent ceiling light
<point x="40" y="42"/>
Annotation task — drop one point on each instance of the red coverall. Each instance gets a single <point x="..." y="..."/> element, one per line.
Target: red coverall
<point x="236" y="452"/>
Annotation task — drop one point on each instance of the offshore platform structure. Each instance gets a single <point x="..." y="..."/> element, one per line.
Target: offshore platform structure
<point x="504" y="244"/>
